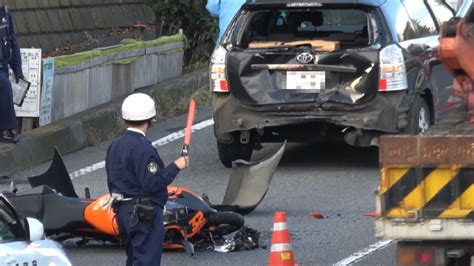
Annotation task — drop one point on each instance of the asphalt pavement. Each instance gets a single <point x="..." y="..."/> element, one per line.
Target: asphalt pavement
<point x="332" y="178"/>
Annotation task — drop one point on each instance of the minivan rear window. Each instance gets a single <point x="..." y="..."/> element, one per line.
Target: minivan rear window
<point x="346" y="27"/>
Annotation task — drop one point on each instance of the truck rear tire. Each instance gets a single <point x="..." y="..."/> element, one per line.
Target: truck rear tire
<point x="229" y="152"/>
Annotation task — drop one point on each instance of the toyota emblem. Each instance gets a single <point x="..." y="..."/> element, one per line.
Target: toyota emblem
<point x="305" y="58"/>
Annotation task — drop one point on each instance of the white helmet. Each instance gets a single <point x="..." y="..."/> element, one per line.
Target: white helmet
<point x="138" y="107"/>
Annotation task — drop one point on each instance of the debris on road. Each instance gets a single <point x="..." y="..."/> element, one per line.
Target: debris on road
<point x="227" y="246"/>
<point x="249" y="182"/>
<point x="372" y="214"/>
<point x="318" y="215"/>
<point x="245" y="239"/>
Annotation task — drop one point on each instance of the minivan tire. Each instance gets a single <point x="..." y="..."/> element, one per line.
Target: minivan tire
<point x="229" y="152"/>
<point x="419" y="117"/>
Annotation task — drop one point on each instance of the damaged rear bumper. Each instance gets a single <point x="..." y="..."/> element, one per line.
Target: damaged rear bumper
<point x="383" y="114"/>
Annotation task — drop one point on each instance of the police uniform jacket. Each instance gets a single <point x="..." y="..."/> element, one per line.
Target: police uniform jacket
<point x="9" y="55"/>
<point x="135" y="169"/>
<point x="10" y="49"/>
<point x="225" y="10"/>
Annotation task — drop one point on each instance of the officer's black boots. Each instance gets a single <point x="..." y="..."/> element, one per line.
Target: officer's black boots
<point x="8" y="137"/>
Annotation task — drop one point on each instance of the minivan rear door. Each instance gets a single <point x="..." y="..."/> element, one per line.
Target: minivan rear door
<point x="301" y="56"/>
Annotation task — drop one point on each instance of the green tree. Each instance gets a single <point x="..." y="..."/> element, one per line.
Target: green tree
<point x="190" y="15"/>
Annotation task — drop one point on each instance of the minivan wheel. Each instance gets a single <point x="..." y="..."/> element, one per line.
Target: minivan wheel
<point x="419" y="118"/>
<point x="229" y="152"/>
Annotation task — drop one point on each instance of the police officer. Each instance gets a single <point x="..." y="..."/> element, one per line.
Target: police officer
<point x="138" y="178"/>
<point x="225" y="10"/>
<point x="9" y="56"/>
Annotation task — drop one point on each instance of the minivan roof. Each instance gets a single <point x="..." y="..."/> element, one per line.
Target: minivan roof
<point x="306" y="2"/>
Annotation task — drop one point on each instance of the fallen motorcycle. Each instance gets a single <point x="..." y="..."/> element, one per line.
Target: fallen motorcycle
<point x="188" y="218"/>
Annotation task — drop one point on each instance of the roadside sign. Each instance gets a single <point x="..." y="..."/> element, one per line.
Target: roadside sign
<point x="46" y="92"/>
<point x="31" y="65"/>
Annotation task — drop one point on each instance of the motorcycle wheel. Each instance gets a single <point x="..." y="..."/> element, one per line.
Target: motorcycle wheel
<point x="226" y="222"/>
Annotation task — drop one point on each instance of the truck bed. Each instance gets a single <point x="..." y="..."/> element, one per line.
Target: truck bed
<point x="427" y="183"/>
<point x="449" y="142"/>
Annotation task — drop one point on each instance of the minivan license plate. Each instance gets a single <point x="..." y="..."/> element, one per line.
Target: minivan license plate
<point x="305" y="80"/>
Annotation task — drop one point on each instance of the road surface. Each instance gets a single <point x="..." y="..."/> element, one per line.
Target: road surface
<point x="337" y="180"/>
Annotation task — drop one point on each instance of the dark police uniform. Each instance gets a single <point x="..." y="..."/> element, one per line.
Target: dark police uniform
<point x="135" y="170"/>
<point x="9" y="55"/>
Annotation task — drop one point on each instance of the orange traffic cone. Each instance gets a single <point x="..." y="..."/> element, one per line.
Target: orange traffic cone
<point x="281" y="253"/>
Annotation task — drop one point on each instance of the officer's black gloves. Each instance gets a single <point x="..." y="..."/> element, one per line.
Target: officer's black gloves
<point x="18" y="77"/>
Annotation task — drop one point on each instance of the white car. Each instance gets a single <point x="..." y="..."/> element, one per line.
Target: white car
<point x="22" y="241"/>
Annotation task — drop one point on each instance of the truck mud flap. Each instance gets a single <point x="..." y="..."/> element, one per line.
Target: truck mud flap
<point x="249" y="183"/>
<point x="56" y="177"/>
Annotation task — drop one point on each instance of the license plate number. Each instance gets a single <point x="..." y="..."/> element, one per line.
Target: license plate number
<point x="305" y="80"/>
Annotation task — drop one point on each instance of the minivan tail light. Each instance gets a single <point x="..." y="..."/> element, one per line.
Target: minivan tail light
<point x="393" y="75"/>
<point x="218" y="79"/>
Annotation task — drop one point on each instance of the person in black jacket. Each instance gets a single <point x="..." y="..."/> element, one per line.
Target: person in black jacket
<point x="9" y="56"/>
<point x="138" y="179"/>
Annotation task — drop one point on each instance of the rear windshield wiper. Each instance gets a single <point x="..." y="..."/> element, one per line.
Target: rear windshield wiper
<point x="309" y="67"/>
<point x="283" y="48"/>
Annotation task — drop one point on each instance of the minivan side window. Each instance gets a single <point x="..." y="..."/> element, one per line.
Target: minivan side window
<point x="398" y="17"/>
<point x="421" y="18"/>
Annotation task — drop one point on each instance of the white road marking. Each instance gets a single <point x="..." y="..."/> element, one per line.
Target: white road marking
<point x="157" y="143"/>
<point x="361" y="254"/>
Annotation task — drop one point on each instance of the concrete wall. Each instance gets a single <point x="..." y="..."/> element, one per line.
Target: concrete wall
<point x="51" y="24"/>
<point x="96" y="125"/>
<point x="91" y="83"/>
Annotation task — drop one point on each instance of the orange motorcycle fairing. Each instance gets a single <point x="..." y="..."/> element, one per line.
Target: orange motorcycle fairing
<point x="101" y="216"/>
<point x="172" y="245"/>
<point x="196" y="223"/>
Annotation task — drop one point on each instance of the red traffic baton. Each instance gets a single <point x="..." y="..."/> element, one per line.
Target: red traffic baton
<point x="189" y="125"/>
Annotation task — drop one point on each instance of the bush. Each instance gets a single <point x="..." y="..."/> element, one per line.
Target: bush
<point x="198" y="26"/>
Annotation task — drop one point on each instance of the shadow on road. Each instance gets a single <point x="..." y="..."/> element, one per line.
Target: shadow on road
<point x="327" y="154"/>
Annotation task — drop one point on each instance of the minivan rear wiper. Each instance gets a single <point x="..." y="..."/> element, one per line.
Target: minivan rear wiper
<point x="282" y="48"/>
<point x="309" y="67"/>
